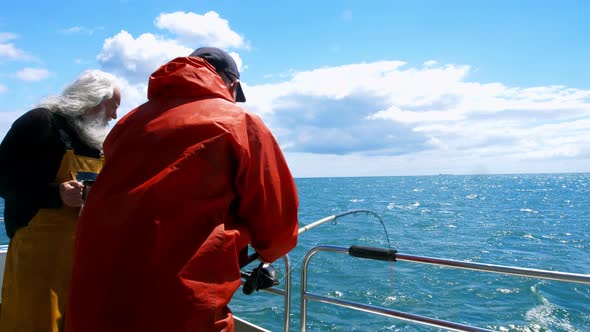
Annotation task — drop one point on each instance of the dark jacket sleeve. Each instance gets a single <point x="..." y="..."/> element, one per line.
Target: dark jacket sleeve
<point x="30" y="155"/>
<point x="268" y="200"/>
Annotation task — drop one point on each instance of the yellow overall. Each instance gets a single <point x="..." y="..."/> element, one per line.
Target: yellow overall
<point x="39" y="260"/>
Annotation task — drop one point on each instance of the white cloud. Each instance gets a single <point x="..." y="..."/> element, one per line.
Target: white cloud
<point x="132" y="59"/>
<point x="386" y="113"/>
<point x="6" y="36"/>
<point x="430" y="63"/>
<point x="13" y="53"/>
<point x="80" y="30"/>
<point x="2" y="88"/>
<point x="33" y="74"/>
<point x="136" y="58"/>
<point x="74" y="29"/>
<point x="9" y="51"/>
<point x="200" y="30"/>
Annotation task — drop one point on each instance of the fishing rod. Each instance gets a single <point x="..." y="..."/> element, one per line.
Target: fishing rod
<point x="333" y="218"/>
<point x="254" y="256"/>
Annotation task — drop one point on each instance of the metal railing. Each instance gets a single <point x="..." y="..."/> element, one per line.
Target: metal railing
<point x="392" y="255"/>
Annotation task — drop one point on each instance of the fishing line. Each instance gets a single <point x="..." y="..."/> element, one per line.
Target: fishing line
<point x="332" y="220"/>
<point x="293" y="266"/>
<point x="390" y="262"/>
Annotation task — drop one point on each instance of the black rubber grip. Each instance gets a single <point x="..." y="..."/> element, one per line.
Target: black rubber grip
<point x="378" y="254"/>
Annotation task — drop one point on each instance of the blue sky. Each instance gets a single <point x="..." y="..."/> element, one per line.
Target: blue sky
<point x="349" y="88"/>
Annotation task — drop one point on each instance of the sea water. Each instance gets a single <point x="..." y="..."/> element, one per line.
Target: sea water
<point x="531" y="221"/>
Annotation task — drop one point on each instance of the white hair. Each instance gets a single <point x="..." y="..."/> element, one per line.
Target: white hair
<point x="89" y="90"/>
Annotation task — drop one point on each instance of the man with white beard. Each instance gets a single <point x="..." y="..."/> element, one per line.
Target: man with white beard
<point x="44" y="158"/>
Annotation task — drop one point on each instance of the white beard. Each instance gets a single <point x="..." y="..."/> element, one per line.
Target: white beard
<point x="93" y="129"/>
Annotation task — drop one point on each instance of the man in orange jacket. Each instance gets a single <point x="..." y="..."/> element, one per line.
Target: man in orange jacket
<point x="189" y="180"/>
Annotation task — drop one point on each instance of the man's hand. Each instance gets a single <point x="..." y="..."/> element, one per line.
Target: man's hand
<point x="71" y="193"/>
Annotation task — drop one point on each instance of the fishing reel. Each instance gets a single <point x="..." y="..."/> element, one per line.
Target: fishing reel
<point x="262" y="277"/>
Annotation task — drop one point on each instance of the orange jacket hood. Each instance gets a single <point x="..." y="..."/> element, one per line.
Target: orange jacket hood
<point x="187" y="77"/>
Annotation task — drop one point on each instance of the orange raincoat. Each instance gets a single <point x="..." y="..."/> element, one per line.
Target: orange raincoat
<point x="189" y="180"/>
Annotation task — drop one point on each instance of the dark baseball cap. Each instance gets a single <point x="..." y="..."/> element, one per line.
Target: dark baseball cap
<point x="223" y="63"/>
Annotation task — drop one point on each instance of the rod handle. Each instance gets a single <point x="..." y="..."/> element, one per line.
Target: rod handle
<point x="372" y="253"/>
